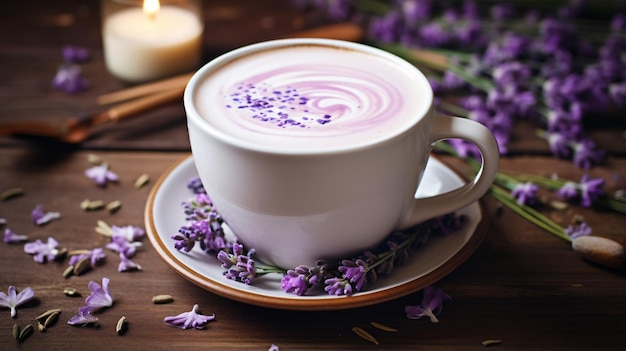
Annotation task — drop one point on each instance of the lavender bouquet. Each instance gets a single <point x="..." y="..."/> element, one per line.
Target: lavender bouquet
<point x="501" y="63"/>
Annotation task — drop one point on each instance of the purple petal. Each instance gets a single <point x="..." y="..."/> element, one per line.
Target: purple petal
<point x="127" y="264"/>
<point x="83" y="317"/>
<point x="69" y="79"/>
<point x="12" y="237"/>
<point x="129" y="232"/>
<point x="100" y="296"/>
<point x="191" y="319"/>
<point x="431" y="305"/>
<point x="40" y="217"/>
<point x="42" y="251"/>
<point x="101" y="174"/>
<point x="13" y="299"/>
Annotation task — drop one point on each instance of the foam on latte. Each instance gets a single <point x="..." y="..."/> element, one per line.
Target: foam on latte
<point x="312" y="96"/>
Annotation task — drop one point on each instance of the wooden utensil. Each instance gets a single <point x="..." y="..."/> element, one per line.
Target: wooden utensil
<point x="76" y="130"/>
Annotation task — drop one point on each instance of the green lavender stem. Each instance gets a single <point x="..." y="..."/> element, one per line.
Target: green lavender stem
<point x="506" y="199"/>
<point x="605" y="200"/>
<point x="529" y="213"/>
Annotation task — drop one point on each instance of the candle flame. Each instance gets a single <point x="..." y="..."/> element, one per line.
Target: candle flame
<point x="151" y="7"/>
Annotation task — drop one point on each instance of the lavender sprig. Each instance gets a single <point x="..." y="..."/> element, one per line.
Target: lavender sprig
<point x="541" y="66"/>
<point x="349" y="276"/>
<point x="204" y="226"/>
<point x="588" y="191"/>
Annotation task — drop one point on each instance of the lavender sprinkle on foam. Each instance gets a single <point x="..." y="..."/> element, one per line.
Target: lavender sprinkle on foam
<point x="260" y="101"/>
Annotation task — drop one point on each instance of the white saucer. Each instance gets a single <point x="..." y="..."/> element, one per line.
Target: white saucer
<point x="164" y="216"/>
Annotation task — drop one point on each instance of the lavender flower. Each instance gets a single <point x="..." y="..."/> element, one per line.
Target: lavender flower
<point x="101" y="174"/>
<point x="338" y="286"/>
<point x="191" y="319"/>
<point x="244" y="270"/>
<point x="14" y="299"/>
<point x="84" y="317"/>
<point x="200" y="208"/>
<point x="591" y="190"/>
<point x="388" y="28"/>
<point x="100" y="296"/>
<point x="588" y="190"/>
<point x="510" y="46"/>
<point x="129" y="232"/>
<point x="511" y="73"/>
<point x="196" y="186"/>
<point x="42" y="252"/>
<point x="208" y="232"/>
<point x="40" y="217"/>
<point x="464" y="149"/>
<point x="431" y="305"/>
<point x="558" y="143"/>
<point x="126" y="264"/>
<point x="295" y="282"/>
<point x="568" y="191"/>
<point x="340" y="10"/>
<point x="12" y="237"/>
<point x="433" y="35"/>
<point x="69" y="79"/>
<point x="586" y="153"/>
<point x="230" y="259"/>
<point x="302" y="278"/>
<point x="525" y="193"/>
<point x="574" y="232"/>
<point x="239" y="266"/>
<point x="205" y="223"/>
<point x="452" y="81"/>
<point x="416" y="10"/>
<point x="120" y="244"/>
<point x="355" y="272"/>
<point x="185" y="239"/>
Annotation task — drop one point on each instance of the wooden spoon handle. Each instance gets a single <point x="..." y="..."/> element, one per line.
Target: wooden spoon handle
<point x="132" y="108"/>
<point x="145" y="89"/>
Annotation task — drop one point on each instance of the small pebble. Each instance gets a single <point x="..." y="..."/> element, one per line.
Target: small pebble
<point x="600" y="250"/>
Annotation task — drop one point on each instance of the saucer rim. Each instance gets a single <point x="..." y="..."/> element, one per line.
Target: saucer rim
<point x="306" y="303"/>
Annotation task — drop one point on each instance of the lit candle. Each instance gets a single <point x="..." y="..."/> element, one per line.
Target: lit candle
<point x="153" y="42"/>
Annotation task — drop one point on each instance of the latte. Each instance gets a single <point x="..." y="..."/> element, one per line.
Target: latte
<point x="313" y="97"/>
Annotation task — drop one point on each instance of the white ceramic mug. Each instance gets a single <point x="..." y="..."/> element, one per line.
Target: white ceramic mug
<point x="321" y="193"/>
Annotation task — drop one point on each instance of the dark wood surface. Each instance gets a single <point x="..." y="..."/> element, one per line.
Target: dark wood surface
<point x="522" y="286"/>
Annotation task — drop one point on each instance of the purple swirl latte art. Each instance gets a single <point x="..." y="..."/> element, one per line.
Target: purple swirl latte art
<point x="311" y="97"/>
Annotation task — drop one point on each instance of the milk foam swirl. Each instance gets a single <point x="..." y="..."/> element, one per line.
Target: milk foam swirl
<point x="311" y="97"/>
<point x="313" y="100"/>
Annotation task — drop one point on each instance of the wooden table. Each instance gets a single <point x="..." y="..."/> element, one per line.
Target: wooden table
<point x="522" y="285"/>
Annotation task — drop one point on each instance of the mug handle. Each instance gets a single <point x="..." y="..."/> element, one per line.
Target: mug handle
<point x="446" y="127"/>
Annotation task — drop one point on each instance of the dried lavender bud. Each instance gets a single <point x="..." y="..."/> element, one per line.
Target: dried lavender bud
<point x="11" y="193"/>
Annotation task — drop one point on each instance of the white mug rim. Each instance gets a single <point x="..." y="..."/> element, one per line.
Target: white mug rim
<point x="194" y="116"/>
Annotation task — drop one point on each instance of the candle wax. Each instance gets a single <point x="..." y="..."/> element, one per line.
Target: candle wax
<point x="138" y="47"/>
